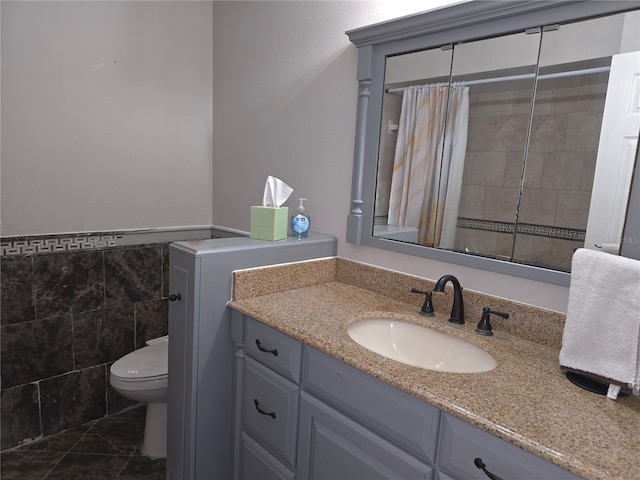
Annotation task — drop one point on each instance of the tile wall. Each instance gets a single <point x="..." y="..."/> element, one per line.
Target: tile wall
<point x="65" y="318"/>
<point x="558" y="179"/>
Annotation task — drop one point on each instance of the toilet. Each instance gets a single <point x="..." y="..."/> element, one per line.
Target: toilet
<point x="142" y="376"/>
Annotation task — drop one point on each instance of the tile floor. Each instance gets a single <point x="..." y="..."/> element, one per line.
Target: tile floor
<point x="104" y="449"/>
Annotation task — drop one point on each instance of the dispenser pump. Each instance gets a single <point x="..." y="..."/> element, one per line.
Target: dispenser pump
<point x="300" y="222"/>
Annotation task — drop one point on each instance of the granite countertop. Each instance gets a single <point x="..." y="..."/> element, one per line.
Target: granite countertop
<point x="526" y="400"/>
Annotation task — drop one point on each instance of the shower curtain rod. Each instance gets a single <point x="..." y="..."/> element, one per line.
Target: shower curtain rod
<point x="571" y="73"/>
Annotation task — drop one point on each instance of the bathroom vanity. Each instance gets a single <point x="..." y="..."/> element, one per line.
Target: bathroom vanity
<point x="304" y="414"/>
<point x="200" y="346"/>
<point x="312" y="403"/>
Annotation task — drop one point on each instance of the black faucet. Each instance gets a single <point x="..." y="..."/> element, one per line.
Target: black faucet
<point x="484" y="326"/>
<point x="457" y="309"/>
<point x="427" y="307"/>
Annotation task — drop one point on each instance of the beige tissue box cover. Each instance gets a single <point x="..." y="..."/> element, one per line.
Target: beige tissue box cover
<point x="269" y="223"/>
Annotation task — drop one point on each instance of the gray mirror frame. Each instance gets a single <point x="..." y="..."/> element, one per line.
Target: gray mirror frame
<point x="463" y="22"/>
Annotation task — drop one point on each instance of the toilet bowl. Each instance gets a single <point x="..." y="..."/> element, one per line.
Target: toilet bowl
<point x="142" y="376"/>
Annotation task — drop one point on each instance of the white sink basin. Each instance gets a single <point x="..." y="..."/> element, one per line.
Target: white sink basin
<point x="420" y="346"/>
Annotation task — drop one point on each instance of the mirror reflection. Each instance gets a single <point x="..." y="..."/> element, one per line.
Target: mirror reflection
<point x="411" y="148"/>
<point x="490" y="147"/>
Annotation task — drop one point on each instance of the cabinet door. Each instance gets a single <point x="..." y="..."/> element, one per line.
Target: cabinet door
<point x="393" y="414"/>
<point x="461" y="444"/>
<point x="332" y="446"/>
<point x="258" y="464"/>
<point x="270" y="410"/>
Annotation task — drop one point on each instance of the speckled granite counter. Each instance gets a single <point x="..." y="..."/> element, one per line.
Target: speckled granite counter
<point x="526" y="400"/>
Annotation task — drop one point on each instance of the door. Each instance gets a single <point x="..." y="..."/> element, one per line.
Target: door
<point x="616" y="153"/>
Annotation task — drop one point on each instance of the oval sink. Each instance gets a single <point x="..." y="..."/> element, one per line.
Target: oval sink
<point x="420" y="346"/>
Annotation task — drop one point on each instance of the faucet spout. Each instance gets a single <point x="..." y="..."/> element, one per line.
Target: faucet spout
<point x="457" y="309"/>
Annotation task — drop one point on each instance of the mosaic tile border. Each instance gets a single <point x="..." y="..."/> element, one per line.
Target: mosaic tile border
<point x="547" y="231"/>
<point x="49" y="244"/>
<point x="72" y="242"/>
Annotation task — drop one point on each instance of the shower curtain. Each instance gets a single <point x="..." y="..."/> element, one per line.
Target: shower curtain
<point x="429" y="161"/>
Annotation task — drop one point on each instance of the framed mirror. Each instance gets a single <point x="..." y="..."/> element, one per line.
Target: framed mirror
<point x="478" y="134"/>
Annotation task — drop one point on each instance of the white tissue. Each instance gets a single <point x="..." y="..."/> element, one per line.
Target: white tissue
<point x="276" y="192"/>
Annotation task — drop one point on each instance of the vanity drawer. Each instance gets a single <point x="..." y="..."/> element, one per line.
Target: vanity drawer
<point x="276" y="350"/>
<point x="385" y="410"/>
<point x="461" y="443"/>
<point x="270" y="410"/>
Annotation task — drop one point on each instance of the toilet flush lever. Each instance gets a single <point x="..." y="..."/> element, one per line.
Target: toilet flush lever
<point x="174" y="296"/>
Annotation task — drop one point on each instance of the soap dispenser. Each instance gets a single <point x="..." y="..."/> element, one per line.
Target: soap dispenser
<point x="300" y="222"/>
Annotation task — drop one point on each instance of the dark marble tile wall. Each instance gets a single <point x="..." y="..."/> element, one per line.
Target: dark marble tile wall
<point x="64" y="319"/>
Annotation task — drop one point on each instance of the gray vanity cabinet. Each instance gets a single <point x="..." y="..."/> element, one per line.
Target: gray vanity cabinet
<point x="334" y="446"/>
<point x="303" y="414"/>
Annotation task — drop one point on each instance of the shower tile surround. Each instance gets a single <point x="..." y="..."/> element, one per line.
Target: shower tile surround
<point x="70" y="306"/>
<point x="558" y="181"/>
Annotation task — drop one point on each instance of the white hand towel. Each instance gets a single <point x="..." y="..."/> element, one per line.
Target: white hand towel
<point x="602" y="329"/>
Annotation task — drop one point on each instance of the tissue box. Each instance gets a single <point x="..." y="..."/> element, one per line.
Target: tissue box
<point x="269" y="223"/>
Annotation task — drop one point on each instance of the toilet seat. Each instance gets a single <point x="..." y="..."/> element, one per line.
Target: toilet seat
<point x="128" y="382"/>
<point x="141" y="389"/>
<point x="147" y="364"/>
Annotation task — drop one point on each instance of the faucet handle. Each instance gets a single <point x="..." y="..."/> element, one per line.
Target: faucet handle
<point x="427" y="307"/>
<point x="484" y="326"/>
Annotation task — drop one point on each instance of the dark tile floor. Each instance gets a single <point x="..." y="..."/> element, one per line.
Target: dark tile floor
<point x="105" y="449"/>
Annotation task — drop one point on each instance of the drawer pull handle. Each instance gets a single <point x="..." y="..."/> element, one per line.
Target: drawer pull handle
<point x="174" y="296"/>
<point x="481" y="465"/>
<point x="262" y="349"/>
<point x="261" y="411"/>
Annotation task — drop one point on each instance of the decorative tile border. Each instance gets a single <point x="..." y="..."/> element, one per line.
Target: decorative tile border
<point x="71" y="242"/>
<point x="547" y="231"/>
<point x="50" y="244"/>
<point x="487" y="225"/>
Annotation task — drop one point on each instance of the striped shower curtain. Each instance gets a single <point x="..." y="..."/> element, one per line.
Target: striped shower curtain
<point x="429" y="162"/>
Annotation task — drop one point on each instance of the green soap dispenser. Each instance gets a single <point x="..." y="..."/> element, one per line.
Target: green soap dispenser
<point x="300" y="222"/>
